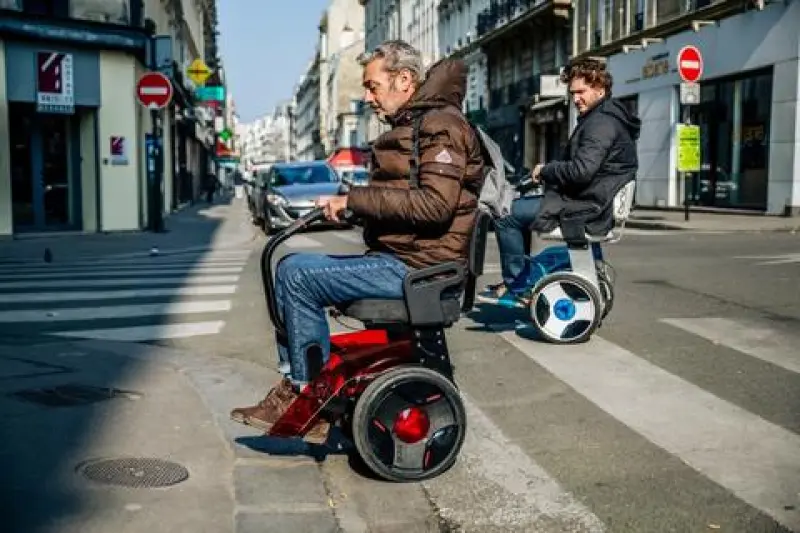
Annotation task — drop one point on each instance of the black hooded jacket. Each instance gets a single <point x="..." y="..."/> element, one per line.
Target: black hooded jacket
<point x="599" y="160"/>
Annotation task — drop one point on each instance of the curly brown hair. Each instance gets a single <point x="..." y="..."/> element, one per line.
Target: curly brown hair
<point x="592" y="71"/>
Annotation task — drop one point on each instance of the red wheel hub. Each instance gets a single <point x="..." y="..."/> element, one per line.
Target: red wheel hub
<point x="411" y="425"/>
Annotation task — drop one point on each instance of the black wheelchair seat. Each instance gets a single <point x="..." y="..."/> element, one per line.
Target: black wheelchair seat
<point x="445" y="283"/>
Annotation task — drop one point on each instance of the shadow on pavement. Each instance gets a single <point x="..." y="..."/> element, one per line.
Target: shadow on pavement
<point x="60" y="406"/>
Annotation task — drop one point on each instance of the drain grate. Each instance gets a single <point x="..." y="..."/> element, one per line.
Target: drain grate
<point x="136" y="472"/>
<point x="71" y="395"/>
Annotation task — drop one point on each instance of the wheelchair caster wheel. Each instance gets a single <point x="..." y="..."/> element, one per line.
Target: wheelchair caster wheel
<point x="409" y="424"/>
<point x="566" y="309"/>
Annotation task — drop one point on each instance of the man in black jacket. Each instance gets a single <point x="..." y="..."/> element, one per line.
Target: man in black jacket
<point x="599" y="160"/>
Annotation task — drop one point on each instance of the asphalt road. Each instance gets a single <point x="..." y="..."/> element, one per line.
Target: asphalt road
<point x="682" y="414"/>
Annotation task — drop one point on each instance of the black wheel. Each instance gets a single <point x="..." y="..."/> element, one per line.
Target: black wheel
<point x="409" y="424"/>
<point x="606" y="278"/>
<point x="565" y="308"/>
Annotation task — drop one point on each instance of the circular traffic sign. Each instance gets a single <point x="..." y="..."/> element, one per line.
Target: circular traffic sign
<point x="154" y="90"/>
<point x="690" y="64"/>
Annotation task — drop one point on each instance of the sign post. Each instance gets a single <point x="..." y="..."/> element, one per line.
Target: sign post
<point x="690" y="69"/>
<point x="154" y="92"/>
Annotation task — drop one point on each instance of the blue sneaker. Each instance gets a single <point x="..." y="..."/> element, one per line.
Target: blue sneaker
<point x="500" y="295"/>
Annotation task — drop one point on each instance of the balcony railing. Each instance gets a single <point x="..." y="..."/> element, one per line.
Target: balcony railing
<point x="117" y="12"/>
<point x="502" y="12"/>
<point x="623" y="18"/>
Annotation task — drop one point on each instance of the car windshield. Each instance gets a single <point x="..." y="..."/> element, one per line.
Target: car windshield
<point x="302" y="175"/>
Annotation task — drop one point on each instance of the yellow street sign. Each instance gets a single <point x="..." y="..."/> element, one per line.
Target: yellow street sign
<point x="198" y="72"/>
<point x="688" y="148"/>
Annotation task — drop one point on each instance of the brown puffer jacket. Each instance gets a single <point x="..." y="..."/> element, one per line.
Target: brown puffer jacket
<point x="429" y="225"/>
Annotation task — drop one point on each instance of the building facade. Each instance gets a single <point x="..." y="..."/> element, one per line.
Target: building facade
<point x="458" y="28"/>
<point x="306" y="139"/>
<point x="341" y="42"/>
<point x="748" y="115"/>
<point x="73" y="133"/>
<point x="266" y="140"/>
<point x="526" y="43"/>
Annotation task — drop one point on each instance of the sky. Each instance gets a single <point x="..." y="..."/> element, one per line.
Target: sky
<point x="265" y="46"/>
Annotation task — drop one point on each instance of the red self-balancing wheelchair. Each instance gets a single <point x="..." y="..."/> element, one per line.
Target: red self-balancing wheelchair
<point x="390" y="386"/>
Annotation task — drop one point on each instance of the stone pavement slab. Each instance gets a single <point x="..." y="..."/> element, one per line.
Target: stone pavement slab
<point x="226" y="224"/>
<point x="170" y="405"/>
<point x="661" y="219"/>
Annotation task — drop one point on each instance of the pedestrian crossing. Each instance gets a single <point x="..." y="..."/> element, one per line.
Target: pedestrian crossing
<point x="136" y="299"/>
<point x="738" y="467"/>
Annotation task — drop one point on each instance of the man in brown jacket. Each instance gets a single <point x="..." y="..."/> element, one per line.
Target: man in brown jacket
<point x="408" y="223"/>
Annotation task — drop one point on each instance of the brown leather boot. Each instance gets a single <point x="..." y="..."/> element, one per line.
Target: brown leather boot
<point x="266" y="413"/>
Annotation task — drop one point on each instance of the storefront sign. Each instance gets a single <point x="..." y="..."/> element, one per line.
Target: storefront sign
<point x="688" y="148"/>
<point x="656" y="66"/>
<point x="551" y="86"/>
<point x="54" y="85"/>
<point x="119" y="150"/>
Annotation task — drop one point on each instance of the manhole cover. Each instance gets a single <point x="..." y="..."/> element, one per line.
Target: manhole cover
<point x="73" y="394"/>
<point x="137" y="472"/>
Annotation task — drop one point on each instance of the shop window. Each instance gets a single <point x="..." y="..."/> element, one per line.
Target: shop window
<point x="734" y="120"/>
<point x="48" y="8"/>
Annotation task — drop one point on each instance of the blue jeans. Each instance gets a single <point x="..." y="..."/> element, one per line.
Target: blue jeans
<point x="511" y="233"/>
<point x="307" y="283"/>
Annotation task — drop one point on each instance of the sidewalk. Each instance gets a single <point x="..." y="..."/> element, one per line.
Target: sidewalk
<point x="226" y="224"/>
<point x="658" y="219"/>
<point x="68" y="406"/>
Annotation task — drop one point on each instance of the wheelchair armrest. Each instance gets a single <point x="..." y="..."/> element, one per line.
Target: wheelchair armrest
<point x="423" y="290"/>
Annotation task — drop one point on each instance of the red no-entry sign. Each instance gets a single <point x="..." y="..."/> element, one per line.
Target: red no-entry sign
<point x="690" y="64"/>
<point x="154" y="90"/>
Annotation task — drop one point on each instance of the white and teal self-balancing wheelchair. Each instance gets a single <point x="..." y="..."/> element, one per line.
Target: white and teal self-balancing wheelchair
<point x="573" y="291"/>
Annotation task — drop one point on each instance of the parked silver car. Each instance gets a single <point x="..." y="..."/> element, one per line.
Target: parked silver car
<point x="288" y="191"/>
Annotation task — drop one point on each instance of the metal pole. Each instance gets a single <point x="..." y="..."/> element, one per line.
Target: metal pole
<point x="156" y="208"/>
<point x="687" y="120"/>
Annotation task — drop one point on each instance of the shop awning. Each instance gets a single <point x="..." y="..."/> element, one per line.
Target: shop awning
<point x="349" y="157"/>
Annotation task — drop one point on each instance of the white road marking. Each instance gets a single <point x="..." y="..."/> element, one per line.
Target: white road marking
<point x="166" y="271"/>
<point x="762" y="343"/>
<point x="782" y="259"/>
<point x="70" y="296"/>
<point x="147" y="333"/>
<point x="528" y="495"/>
<point x="350" y="236"/>
<point x="70" y="267"/>
<point x="756" y="460"/>
<point x="121" y="282"/>
<point x="302" y="242"/>
<point x="114" y="311"/>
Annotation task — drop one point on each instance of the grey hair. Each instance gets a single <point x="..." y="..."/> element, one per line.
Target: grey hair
<point x="399" y="55"/>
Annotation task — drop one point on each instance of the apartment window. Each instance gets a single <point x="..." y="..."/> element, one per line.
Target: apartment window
<point x="11" y="4"/>
<point x="638" y="14"/>
<point x="667" y="10"/>
<point x="108" y="11"/>
<point x="583" y="25"/>
<point x="52" y="8"/>
<point x="620" y="15"/>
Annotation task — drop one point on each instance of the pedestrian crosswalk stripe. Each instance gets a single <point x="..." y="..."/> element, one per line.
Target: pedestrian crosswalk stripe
<point x="754" y="459"/>
<point x="69" y="296"/>
<point x="762" y="343"/>
<point x="350" y="236"/>
<point x="121" y="282"/>
<point x="70" y="267"/>
<point x="492" y="458"/>
<point x="113" y="311"/>
<point x="147" y="333"/>
<point x="302" y="242"/>
<point x="170" y="270"/>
